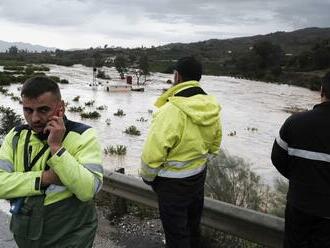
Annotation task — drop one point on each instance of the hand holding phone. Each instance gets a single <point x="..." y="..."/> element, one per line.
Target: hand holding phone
<point x="56" y="128"/>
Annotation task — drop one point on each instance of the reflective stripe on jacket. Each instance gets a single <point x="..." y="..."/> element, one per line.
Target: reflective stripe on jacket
<point x="183" y="132"/>
<point x="79" y="167"/>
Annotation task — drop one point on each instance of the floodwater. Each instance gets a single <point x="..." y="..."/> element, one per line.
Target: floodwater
<point x="246" y="105"/>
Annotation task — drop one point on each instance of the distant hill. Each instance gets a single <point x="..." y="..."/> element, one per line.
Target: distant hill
<point x="291" y="42"/>
<point x="4" y="45"/>
<point x="299" y="57"/>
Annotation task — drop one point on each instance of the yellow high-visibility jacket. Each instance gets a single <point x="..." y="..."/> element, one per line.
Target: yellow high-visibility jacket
<point x="78" y="165"/>
<point x="183" y="132"/>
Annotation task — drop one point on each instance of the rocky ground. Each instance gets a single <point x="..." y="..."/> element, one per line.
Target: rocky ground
<point x="130" y="230"/>
<point x="128" y="225"/>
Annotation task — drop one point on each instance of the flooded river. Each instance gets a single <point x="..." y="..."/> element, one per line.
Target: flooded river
<point x="253" y="110"/>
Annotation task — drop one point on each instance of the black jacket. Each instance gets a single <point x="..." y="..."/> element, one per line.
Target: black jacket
<point x="301" y="153"/>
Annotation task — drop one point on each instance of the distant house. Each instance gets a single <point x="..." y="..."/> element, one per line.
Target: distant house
<point x="110" y="60"/>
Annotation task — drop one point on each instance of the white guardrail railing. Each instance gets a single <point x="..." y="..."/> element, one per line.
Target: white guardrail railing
<point x="248" y="224"/>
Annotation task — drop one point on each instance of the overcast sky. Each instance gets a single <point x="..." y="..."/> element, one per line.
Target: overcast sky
<point x="69" y="24"/>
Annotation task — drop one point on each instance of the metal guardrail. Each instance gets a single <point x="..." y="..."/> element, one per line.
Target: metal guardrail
<point x="261" y="228"/>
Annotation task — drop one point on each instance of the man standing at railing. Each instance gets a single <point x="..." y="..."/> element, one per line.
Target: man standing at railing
<point x="301" y="153"/>
<point x="184" y="132"/>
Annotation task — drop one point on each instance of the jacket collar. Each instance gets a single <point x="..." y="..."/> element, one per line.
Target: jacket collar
<point x="322" y="105"/>
<point x="173" y="90"/>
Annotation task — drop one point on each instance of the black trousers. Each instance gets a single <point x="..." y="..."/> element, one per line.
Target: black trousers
<point x="303" y="230"/>
<point x="181" y="204"/>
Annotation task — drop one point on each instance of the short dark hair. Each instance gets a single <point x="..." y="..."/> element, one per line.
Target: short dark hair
<point x="36" y="86"/>
<point x="325" y="83"/>
<point x="189" y="68"/>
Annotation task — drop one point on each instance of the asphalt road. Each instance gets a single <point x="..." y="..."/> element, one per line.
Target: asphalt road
<point x="6" y="238"/>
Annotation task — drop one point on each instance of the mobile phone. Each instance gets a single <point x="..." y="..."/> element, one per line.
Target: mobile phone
<point x="16" y="205"/>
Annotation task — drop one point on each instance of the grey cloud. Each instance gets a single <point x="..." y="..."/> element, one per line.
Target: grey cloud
<point x="125" y="18"/>
<point x="195" y="12"/>
<point x="306" y="13"/>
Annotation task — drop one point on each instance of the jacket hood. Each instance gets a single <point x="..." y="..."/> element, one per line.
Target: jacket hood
<point x="173" y="90"/>
<point x="202" y="109"/>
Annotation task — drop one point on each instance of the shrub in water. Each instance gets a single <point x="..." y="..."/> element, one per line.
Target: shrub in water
<point x="90" y="115"/>
<point x="119" y="112"/>
<point x="132" y="130"/>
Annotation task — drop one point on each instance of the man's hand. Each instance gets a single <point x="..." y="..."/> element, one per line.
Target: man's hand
<point x="49" y="177"/>
<point x="56" y="129"/>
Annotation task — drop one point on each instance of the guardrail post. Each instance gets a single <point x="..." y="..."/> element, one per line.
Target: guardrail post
<point x="119" y="203"/>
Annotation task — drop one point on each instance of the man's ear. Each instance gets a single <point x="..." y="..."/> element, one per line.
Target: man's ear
<point x="62" y="108"/>
<point x="177" y="78"/>
<point x="322" y="92"/>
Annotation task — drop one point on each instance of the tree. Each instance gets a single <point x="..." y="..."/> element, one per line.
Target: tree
<point x="270" y="54"/>
<point x="144" y="66"/>
<point x="121" y="65"/>
<point x="230" y="179"/>
<point x="9" y="119"/>
<point x="13" y="50"/>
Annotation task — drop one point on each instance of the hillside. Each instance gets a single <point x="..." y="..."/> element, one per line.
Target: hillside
<point x="300" y="57"/>
<point x="291" y="42"/>
<point x="5" y="45"/>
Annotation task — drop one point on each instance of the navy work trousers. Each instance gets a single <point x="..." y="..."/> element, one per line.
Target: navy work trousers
<point x="181" y="204"/>
<point x="303" y="230"/>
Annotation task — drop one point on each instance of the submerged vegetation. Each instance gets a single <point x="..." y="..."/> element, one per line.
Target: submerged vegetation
<point x="89" y="103"/>
<point x="90" y="115"/>
<point x="102" y="107"/>
<point x="119" y="113"/>
<point x="76" y="109"/>
<point x="132" y="130"/>
<point x="18" y="72"/>
<point x="142" y="119"/>
<point x="115" y="150"/>
<point x="76" y="99"/>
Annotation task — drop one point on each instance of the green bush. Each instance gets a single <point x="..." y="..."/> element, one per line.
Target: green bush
<point x="90" y="115"/>
<point x="8" y="120"/>
<point x="13" y="68"/>
<point x="90" y="103"/>
<point x="6" y="79"/>
<point x="64" y="81"/>
<point x="119" y="112"/>
<point x="142" y="119"/>
<point x="116" y="150"/>
<point x="76" y="109"/>
<point x="55" y="78"/>
<point x="16" y="98"/>
<point x="3" y="90"/>
<point x="102" y="107"/>
<point x="132" y="130"/>
<point x="76" y="99"/>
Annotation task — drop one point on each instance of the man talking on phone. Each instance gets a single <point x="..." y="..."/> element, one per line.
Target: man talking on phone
<point x="50" y="170"/>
